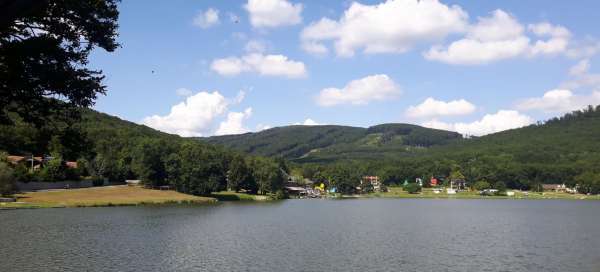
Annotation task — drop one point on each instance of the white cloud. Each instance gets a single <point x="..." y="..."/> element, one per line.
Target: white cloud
<point x="497" y="37"/>
<point x="266" y="65"/>
<point x="581" y="77"/>
<point x="436" y="108"/>
<point x="586" y="48"/>
<point x="490" y="123"/>
<point x="255" y="46"/>
<point x="558" y="40"/>
<point x="360" y="91"/>
<point x="559" y="100"/>
<point x="193" y="117"/>
<point x="261" y="127"/>
<point x="183" y="92"/>
<point x="308" y="122"/>
<point x="581" y="68"/>
<point x="234" y="123"/>
<point x="315" y="48"/>
<point x="394" y="26"/>
<point x="273" y="13"/>
<point x="500" y="36"/>
<point x="206" y="19"/>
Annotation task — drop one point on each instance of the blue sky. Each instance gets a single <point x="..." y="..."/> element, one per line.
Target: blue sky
<point x="200" y="68"/>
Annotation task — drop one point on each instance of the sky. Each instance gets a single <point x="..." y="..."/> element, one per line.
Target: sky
<point x="203" y="68"/>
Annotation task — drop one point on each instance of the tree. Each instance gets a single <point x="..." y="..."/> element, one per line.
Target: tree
<point x="589" y="183"/>
<point x="44" y="49"/>
<point x="54" y="169"/>
<point x="7" y="179"/>
<point x="501" y="187"/>
<point x="238" y="175"/>
<point x="412" y="188"/>
<point x="481" y="185"/>
<point x="267" y="175"/>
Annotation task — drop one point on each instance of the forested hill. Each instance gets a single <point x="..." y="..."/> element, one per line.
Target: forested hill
<point x="106" y="147"/>
<point x="329" y="142"/>
<point x="570" y="139"/>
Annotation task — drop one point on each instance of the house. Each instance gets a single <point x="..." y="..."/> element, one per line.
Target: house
<point x="295" y="191"/>
<point x="458" y="184"/>
<point x="371" y="180"/>
<point x="28" y="161"/>
<point x="133" y="182"/>
<point x="71" y="164"/>
<point x="433" y="182"/>
<point x="554" y="187"/>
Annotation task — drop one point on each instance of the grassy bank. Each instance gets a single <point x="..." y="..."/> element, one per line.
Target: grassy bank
<point x="233" y="196"/>
<point x="102" y="196"/>
<point x="397" y="192"/>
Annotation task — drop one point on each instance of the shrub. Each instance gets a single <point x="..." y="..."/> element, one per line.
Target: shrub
<point x="412" y="188"/>
<point x="7" y="179"/>
<point x="97" y="181"/>
<point x="501" y="187"/>
<point x="481" y="185"/>
<point x="280" y="194"/>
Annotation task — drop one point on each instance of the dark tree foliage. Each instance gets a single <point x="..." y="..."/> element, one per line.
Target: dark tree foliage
<point x="327" y="144"/>
<point x="44" y="48"/>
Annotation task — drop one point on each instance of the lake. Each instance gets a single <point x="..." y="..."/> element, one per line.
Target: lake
<point x="308" y="235"/>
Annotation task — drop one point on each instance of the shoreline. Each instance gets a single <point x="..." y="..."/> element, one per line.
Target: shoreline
<point x="121" y="196"/>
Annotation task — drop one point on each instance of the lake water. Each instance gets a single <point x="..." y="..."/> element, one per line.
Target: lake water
<point x="308" y="235"/>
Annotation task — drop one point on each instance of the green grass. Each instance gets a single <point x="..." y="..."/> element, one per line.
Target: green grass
<point x="397" y="192"/>
<point x="234" y="196"/>
<point x="102" y="197"/>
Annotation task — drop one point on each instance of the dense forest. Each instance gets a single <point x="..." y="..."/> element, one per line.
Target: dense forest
<point x="107" y="147"/>
<point x="331" y="143"/>
<point x="561" y="150"/>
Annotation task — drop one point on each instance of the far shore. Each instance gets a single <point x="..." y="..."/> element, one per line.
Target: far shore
<point x="119" y="195"/>
<point x="397" y="192"/>
<point x="124" y="195"/>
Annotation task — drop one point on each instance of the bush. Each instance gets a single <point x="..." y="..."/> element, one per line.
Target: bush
<point x="501" y="187"/>
<point x="412" y="188"/>
<point x="7" y="180"/>
<point x="481" y="185"/>
<point x="281" y="194"/>
<point x="97" y="181"/>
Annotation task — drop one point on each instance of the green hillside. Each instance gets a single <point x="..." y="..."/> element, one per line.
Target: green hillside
<point x="331" y="143"/>
<point x="106" y="147"/>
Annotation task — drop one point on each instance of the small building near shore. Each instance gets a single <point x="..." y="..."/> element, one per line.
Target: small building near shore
<point x="295" y="191"/>
<point x="554" y="187"/>
<point x="371" y="180"/>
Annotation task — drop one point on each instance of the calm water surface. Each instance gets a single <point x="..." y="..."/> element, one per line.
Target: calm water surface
<point x="308" y="235"/>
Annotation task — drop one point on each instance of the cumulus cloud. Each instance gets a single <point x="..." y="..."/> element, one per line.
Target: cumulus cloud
<point x="266" y="65"/>
<point x="581" y="68"/>
<point x="360" y="91"/>
<point x="394" y="26"/>
<point x="559" y="100"/>
<point x="261" y="127"/>
<point x="586" y="48"/>
<point x="436" y="108"/>
<point x="273" y="13"/>
<point x="558" y="40"/>
<point x="234" y="123"/>
<point x="192" y="117"/>
<point x="308" y="122"/>
<point x="206" y="19"/>
<point x="490" y="123"/>
<point x="500" y="36"/>
<point x="581" y="77"/>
